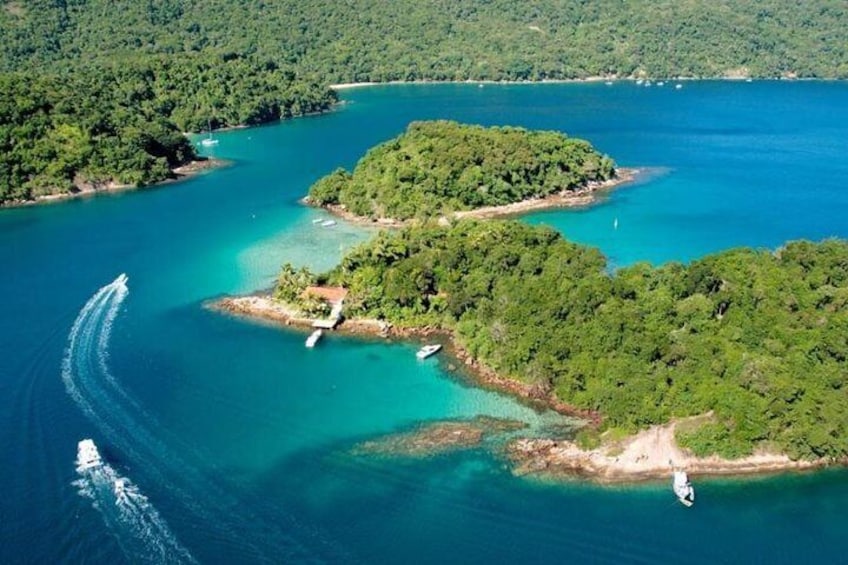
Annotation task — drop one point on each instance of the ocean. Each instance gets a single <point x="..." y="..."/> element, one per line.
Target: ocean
<point x="239" y="444"/>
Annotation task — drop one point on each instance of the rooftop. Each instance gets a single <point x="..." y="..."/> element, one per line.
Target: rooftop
<point x="331" y="294"/>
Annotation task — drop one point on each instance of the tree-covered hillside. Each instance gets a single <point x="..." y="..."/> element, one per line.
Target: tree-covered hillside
<point x="441" y="166"/>
<point x="186" y="64"/>
<point x="123" y="123"/>
<point x="759" y="338"/>
<point x="447" y="39"/>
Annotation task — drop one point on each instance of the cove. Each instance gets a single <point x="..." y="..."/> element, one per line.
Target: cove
<point x="241" y="439"/>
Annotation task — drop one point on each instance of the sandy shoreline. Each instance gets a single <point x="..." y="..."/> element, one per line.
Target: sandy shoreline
<point x="584" y="196"/>
<point x="184" y="172"/>
<point x="591" y="79"/>
<point x="645" y="456"/>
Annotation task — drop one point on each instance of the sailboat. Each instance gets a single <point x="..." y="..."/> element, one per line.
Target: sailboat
<point x="209" y="141"/>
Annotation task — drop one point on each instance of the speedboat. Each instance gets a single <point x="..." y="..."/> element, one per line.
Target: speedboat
<point x="328" y="223"/>
<point x="428" y="350"/>
<point x="119" y="487"/>
<point x="87" y="455"/>
<point x="683" y="489"/>
<point x="314" y="337"/>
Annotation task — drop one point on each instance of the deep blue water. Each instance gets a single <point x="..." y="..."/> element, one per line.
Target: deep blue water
<point x="240" y="439"/>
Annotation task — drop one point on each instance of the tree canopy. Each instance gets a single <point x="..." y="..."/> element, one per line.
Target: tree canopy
<point x="359" y="40"/>
<point x="441" y="166"/>
<point x="190" y="65"/>
<point x="756" y="337"/>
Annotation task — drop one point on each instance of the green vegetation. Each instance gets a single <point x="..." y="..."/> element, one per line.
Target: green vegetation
<point x="445" y="39"/>
<point x="758" y="338"/>
<point x="185" y="66"/>
<point x="438" y="167"/>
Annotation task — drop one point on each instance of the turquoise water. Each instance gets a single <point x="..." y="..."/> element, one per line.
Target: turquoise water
<point x="240" y="439"/>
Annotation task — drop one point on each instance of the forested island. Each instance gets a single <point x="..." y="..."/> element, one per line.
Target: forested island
<point x="755" y="340"/>
<point x="739" y="355"/>
<point x="94" y="93"/>
<point x="441" y="167"/>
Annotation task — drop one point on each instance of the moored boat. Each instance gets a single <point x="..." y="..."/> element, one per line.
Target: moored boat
<point x="683" y="489"/>
<point x="428" y="350"/>
<point x="328" y="223"/>
<point x="314" y="337"/>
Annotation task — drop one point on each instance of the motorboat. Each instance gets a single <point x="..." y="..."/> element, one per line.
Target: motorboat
<point x="314" y="337"/>
<point x="87" y="455"/>
<point x="328" y="223"/>
<point x="683" y="489"/>
<point x="119" y="487"/>
<point x="428" y="350"/>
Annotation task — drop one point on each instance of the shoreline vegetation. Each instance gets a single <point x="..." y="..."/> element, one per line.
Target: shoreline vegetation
<point x="196" y="167"/>
<point x="584" y="80"/>
<point x="642" y="456"/>
<point x="445" y="169"/>
<point x="91" y="94"/>
<point x="584" y="196"/>
<point x="728" y="365"/>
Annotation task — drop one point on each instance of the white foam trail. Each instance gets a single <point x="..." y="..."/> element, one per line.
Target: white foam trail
<point x="128" y="427"/>
<point x="87" y="327"/>
<point x="141" y="532"/>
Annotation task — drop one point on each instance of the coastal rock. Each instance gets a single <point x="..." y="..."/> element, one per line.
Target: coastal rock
<point x="439" y="437"/>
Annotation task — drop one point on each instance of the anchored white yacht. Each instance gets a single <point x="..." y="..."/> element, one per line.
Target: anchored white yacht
<point x="314" y="337"/>
<point x="683" y="489"/>
<point x="428" y="350"/>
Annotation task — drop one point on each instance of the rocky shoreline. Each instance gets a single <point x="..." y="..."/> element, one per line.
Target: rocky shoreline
<point x="264" y="308"/>
<point x="584" y="196"/>
<point x="647" y="455"/>
<point x="87" y="189"/>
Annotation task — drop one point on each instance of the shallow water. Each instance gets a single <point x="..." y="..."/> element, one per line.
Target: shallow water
<point x="240" y="439"/>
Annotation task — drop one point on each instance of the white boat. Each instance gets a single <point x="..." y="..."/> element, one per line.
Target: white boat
<point x="639" y="82"/>
<point x="428" y="350"/>
<point x="119" y="487"/>
<point x="660" y="83"/>
<point x="209" y="141"/>
<point x="683" y="489"/>
<point x="314" y="337"/>
<point x="317" y="221"/>
<point x="608" y="83"/>
<point x="328" y="223"/>
<point x="678" y="86"/>
<point x="87" y="455"/>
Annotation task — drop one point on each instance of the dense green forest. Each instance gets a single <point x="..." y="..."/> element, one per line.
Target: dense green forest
<point x="439" y="167"/>
<point x="375" y="40"/>
<point x="122" y="123"/>
<point x="759" y="338"/>
<point x="188" y="65"/>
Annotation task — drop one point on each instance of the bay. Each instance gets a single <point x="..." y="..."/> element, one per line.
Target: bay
<point x="242" y="440"/>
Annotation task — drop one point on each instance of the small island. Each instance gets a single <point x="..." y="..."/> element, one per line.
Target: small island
<point x="734" y="363"/>
<point x="446" y="169"/>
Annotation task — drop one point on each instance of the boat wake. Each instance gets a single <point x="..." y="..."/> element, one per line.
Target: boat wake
<point x="142" y="533"/>
<point x="139" y="437"/>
